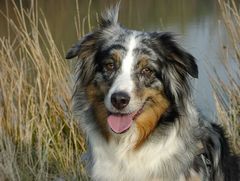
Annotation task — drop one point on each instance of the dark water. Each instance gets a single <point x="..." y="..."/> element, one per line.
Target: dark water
<point x="198" y="23"/>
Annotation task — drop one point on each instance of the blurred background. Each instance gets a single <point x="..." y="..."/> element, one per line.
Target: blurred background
<point x="197" y="23"/>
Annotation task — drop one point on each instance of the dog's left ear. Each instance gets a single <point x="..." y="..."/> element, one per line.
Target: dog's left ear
<point x="175" y="54"/>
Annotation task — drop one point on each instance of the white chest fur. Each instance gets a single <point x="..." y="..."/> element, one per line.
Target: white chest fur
<point x="152" y="161"/>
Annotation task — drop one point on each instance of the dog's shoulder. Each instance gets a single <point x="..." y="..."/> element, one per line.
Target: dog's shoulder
<point x="215" y="158"/>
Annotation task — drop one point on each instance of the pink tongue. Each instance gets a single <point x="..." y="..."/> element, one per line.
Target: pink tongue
<point x="120" y="123"/>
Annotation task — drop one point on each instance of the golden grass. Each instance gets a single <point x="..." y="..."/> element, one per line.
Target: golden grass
<point x="39" y="139"/>
<point x="227" y="93"/>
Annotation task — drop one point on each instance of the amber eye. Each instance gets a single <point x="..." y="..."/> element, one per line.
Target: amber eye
<point x="109" y="67"/>
<point x="146" y="72"/>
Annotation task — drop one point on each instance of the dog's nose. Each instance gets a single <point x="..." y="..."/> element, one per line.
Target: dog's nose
<point x="120" y="100"/>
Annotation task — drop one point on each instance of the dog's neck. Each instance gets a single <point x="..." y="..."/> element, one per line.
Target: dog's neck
<point x="158" y="152"/>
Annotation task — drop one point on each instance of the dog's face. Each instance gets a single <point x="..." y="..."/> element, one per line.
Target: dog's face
<point x="132" y="78"/>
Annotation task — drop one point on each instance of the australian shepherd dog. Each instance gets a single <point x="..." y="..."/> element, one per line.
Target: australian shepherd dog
<point x="133" y="101"/>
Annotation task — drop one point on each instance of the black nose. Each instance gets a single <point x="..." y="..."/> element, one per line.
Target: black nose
<point x="120" y="100"/>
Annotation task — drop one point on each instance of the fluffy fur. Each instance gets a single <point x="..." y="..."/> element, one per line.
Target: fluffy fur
<point x="168" y="140"/>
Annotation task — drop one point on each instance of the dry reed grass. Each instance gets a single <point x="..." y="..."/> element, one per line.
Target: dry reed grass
<point x="38" y="138"/>
<point x="227" y="93"/>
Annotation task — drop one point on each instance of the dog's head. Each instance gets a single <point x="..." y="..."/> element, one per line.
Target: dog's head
<point x="132" y="78"/>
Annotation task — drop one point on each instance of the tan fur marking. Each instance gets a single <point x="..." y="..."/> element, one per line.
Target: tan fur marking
<point x="143" y="62"/>
<point x="116" y="56"/>
<point x="94" y="94"/>
<point x="152" y="112"/>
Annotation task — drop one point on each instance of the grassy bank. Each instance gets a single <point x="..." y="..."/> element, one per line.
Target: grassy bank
<point x="227" y="93"/>
<point x="38" y="138"/>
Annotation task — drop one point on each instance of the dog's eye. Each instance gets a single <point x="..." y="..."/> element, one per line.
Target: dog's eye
<point x="146" y="72"/>
<point x="109" y="67"/>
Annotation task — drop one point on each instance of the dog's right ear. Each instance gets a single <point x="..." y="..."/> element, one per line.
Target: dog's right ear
<point x="86" y="50"/>
<point x="89" y="43"/>
<point x="82" y="47"/>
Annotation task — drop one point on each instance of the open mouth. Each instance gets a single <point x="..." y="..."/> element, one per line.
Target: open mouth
<point x="119" y="123"/>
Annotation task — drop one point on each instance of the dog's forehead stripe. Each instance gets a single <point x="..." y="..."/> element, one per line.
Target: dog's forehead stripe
<point x="123" y="81"/>
<point x="127" y="62"/>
